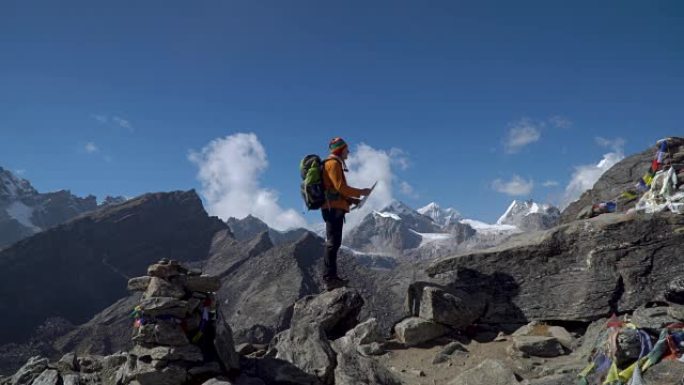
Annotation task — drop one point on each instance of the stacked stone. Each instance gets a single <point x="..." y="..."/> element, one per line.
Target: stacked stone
<point x="173" y="320"/>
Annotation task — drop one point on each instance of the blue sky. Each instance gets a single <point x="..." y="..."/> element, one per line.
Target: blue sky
<point x="113" y="97"/>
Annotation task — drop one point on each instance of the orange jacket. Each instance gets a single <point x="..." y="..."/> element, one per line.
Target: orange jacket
<point x="335" y="185"/>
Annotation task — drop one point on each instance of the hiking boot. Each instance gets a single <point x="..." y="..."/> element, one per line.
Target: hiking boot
<point x="334" y="283"/>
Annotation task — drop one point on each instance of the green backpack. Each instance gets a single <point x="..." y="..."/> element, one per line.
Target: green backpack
<point x="311" y="171"/>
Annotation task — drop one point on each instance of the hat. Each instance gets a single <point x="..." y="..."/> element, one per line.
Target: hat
<point x="337" y="145"/>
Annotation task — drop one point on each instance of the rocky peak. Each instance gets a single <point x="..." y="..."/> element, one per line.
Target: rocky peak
<point x="443" y="217"/>
<point x="13" y="187"/>
<point x="530" y="216"/>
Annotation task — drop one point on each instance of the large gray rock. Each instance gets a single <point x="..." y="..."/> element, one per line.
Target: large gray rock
<point x="457" y="309"/>
<point x="365" y="333"/>
<point x="188" y="353"/>
<point x="354" y="368"/>
<point x="48" y="377"/>
<point x="306" y="347"/>
<point x="224" y="343"/>
<point x="538" y="346"/>
<point x="676" y="312"/>
<point x="414" y="331"/>
<point x="489" y="372"/>
<point x="336" y="311"/>
<point x="164" y="306"/>
<point x="652" y="318"/>
<point x="159" y="287"/>
<point x="165" y="333"/>
<point x="666" y="372"/>
<point x="30" y="371"/>
<point x="579" y="271"/>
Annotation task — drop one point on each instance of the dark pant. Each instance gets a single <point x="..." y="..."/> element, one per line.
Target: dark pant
<point x="334" y="220"/>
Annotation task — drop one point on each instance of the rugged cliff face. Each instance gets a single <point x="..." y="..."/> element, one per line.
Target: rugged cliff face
<point x="77" y="269"/>
<point x="579" y="271"/>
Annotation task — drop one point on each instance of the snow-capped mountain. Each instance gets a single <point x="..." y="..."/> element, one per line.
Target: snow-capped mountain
<point x="442" y="217"/>
<point x="24" y="211"/>
<point x="530" y="216"/>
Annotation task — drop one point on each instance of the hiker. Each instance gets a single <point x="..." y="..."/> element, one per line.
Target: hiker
<point x="338" y="198"/>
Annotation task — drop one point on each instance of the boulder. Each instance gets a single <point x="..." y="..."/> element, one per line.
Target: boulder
<point x="652" y="318"/>
<point x="148" y="374"/>
<point x="89" y="364"/>
<point x="306" y="347"/>
<point x="70" y="379"/>
<point x="457" y="309"/>
<point x="353" y="368"/>
<point x="30" y="371"/>
<point x="138" y="283"/>
<point x="164" y="270"/>
<point x="666" y="372"/>
<point x="336" y="311"/>
<point x="67" y="363"/>
<point x="166" y="333"/>
<point x="48" y="377"/>
<point x="159" y="287"/>
<point x="579" y="271"/>
<point x="676" y="312"/>
<point x="189" y="353"/>
<point x="538" y="346"/>
<point x="448" y="351"/>
<point x="365" y="333"/>
<point x="224" y="344"/>
<point x="489" y="372"/>
<point x="166" y="306"/>
<point x="563" y="336"/>
<point x="414" y="331"/>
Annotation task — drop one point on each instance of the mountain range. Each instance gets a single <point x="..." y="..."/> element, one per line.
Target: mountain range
<point x="24" y="211"/>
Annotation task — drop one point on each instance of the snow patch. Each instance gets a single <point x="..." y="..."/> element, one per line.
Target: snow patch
<point x="432" y="237"/>
<point x="22" y="213"/>
<point x="487" y="228"/>
<point x="386" y="214"/>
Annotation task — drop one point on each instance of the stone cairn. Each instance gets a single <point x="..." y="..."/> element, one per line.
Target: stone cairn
<point x="174" y="327"/>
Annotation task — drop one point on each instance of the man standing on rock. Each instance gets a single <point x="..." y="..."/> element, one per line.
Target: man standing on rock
<point x="339" y="196"/>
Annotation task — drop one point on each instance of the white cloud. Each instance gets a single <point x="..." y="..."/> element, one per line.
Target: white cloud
<point x="584" y="177"/>
<point x="368" y="165"/>
<point x="20" y="171"/>
<point x="114" y="121"/>
<point x="91" y="148"/>
<point x="522" y="133"/>
<point x="408" y="190"/>
<point x="550" y="183"/>
<point x="517" y="186"/>
<point x="558" y="121"/>
<point x="121" y="122"/>
<point x="100" y="118"/>
<point x="229" y="170"/>
<point x="616" y="144"/>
